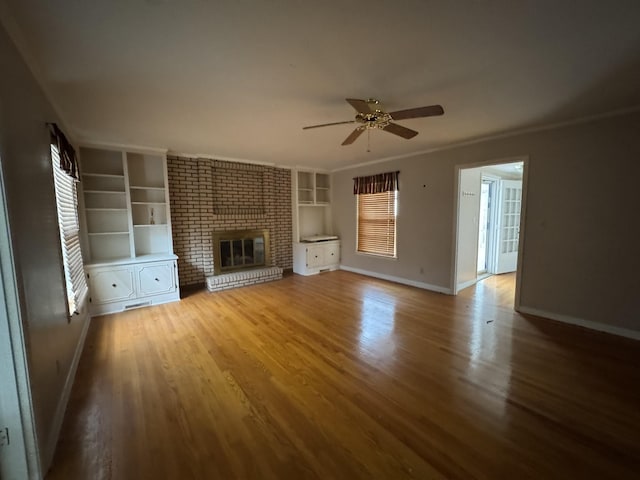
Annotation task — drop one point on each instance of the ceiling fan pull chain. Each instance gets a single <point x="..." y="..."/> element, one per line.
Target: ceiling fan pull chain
<point x="368" y="140"/>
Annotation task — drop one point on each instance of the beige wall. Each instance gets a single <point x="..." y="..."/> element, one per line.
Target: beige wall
<point x="580" y="257"/>
<point x="26" y="162"/>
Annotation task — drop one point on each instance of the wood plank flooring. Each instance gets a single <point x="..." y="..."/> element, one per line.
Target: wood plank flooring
<point x="340" y="376"/>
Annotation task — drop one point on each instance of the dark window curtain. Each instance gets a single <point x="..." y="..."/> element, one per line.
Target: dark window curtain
<point x="383" y="182"/>
<point x="68" y="160"/>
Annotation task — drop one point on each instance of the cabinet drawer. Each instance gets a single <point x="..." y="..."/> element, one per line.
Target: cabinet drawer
<point x="111" y="285"/>
<point x="155" y="279"/>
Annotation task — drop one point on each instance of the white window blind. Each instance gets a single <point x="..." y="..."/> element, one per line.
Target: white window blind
<point x="67" y="205"/>
<point x="377" y="223"/>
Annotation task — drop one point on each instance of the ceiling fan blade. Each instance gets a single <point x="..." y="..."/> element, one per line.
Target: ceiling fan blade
<point x="419" y="112"/>
<point x="361" y="106"/>
<point x="354" y="135"/>
<point x="328" y="124"/>
<point x="401" y="131"/>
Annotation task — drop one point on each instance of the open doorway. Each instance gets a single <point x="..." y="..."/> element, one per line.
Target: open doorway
<point x="488" y="221"/>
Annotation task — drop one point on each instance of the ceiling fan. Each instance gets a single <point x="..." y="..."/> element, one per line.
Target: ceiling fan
<point x="371" y="115"/>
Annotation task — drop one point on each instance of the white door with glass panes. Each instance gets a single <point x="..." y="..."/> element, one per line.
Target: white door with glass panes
<point x="509" y="226"/>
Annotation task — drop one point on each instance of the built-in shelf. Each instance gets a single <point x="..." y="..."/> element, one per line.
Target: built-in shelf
<point x="105" y="209"/>
<point x="93" y="234"/>
<point x="102" y="175"/>
<point x="312" y="214"/>
<point x="313" y="217"/>
<point x="126" y="203"/>
<point x="145" y="188"/>
<point x="127" y="229"/>
<point x="313" y="188"/>
<point x="106" y="191"/>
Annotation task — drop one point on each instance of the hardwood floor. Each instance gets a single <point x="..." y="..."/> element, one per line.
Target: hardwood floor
<point x="340" y="376"/>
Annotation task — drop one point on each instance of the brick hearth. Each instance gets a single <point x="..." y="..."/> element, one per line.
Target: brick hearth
<point x="243" y="278"/>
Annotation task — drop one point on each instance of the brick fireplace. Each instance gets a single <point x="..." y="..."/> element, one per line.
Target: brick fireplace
<point x="212" y="196"/>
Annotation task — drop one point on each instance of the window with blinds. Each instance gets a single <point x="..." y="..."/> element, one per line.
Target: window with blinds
<point x="377" y="223"/>
<point x="67" y="206"/>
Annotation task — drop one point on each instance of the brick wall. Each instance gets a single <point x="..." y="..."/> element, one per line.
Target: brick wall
<point x="212" y="195"/>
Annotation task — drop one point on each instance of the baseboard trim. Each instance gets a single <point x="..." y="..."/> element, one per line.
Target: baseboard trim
<point x="64" y="398"/>
<point x="600" y="327"/>
<point x="467" y="284"/>
<point x="404" y="281"/>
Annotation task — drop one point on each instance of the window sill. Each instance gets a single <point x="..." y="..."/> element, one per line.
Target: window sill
<point x="375" y="255"/>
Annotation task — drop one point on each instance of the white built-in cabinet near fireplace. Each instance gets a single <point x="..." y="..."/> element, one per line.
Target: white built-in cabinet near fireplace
<point x="312" y="220"/>
<point x="128" y="249"/>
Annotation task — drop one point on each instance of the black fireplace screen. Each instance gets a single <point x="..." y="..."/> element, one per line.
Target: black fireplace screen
<point x="240" y="249"/>
<point x="246" y="252"/>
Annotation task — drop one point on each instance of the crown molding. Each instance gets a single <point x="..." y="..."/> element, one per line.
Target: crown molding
<point x="509" y="134"/>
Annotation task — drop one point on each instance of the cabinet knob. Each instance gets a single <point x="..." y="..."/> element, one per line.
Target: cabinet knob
<point x="113" y="285"/>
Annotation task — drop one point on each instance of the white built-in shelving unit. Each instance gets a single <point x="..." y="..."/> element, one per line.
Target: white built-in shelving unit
<point x="313" y="188"/>
<point x="312" y="217"/>
<point x="128" y="250"/>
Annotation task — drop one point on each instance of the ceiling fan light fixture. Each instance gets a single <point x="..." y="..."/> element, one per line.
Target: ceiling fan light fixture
<point x="377" y="119"/>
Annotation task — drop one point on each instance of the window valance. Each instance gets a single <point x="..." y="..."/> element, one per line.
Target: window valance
<point x="68" y="160"/>
<point x="383" y="182"/>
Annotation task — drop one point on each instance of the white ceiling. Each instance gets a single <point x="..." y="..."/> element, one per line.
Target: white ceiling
<point x="239" y="79"/>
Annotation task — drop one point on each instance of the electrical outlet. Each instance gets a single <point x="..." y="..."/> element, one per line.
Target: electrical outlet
<point x="4" y="437"/>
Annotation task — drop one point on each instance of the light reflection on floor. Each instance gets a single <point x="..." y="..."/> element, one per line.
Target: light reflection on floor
<point x="489" y="359"/>
<point x="377" y="322"/>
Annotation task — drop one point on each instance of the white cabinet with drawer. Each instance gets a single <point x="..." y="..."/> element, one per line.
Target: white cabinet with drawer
<point x="154" y="279"/>
<point x="130" y="284"/>
<point x="312" y="258"/>
<point x="111" y="285"/>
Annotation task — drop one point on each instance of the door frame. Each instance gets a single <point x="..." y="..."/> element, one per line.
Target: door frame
<point x="20" y="458"/>
<point x="523" y="212"/>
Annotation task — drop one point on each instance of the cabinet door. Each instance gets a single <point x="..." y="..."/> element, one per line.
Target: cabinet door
<point x="111" y="285"/>
<point x="332" y="254"/>
<point x="156" y="279"/>
<point x="315" y="256"/>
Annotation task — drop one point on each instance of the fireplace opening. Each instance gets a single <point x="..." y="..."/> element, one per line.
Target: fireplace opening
<point x="240" y="249"/>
